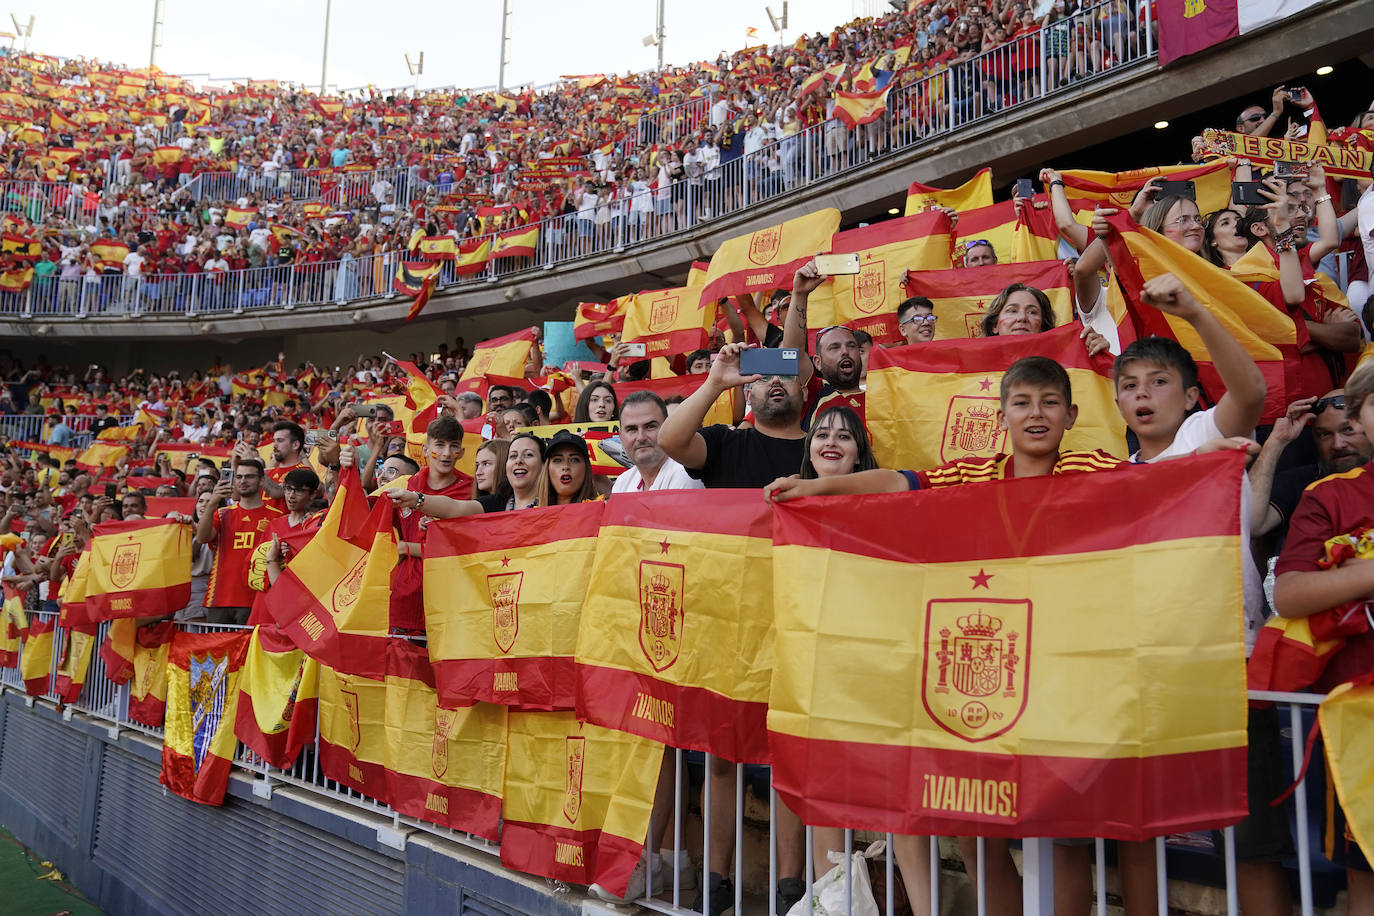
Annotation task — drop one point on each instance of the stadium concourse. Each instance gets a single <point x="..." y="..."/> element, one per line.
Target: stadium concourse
<point x="544" y="608"/>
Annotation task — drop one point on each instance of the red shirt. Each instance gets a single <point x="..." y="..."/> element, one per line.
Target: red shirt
<point x="240" y="532"/>
<point x="407" y="597"/>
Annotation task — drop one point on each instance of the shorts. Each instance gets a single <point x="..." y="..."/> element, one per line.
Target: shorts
<point x="585" y="227"/>
<point x="663" y="207"/>
<point x="1264" y="835"/>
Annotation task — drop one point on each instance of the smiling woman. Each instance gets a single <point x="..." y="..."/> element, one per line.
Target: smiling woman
<point x="1018" y="309"/>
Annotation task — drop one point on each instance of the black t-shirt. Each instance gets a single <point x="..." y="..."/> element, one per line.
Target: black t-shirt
<point x="105" y="422"/>
<point x="746" y="457"/>
<point x="1287" y="490"/>
<point x="772" y="336"/>
<point x="493" y="502"/>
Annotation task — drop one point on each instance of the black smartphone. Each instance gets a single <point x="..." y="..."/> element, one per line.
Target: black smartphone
<point x="1248" y="193"/>
<point x="769" y="361"/>
<point x="1295" y="95"/>
<point x="1025" y="188"/>
<point x="1178" y="189"/>
<point x="110" y="491"/>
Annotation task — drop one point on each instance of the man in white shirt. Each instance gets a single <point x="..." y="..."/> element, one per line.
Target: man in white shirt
<point x="641" y="415"/>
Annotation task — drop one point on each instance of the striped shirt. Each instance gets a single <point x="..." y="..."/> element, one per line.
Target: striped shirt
<point x="979" y="470"/>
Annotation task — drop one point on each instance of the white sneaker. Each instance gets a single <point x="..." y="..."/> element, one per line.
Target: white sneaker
<point x="689" y="873"/>
<point x="635" y="889"/>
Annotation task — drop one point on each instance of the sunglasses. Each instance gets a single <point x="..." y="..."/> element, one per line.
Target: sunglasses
<point x="1337" y="401"/>
<point x="1253" y="119"/>
<point x="975" y="243"/>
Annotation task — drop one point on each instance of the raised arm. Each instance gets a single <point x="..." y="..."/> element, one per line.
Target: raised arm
<point x="679" y="435"/>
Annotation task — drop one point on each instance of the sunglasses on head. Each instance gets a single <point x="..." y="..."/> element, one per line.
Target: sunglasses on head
<point x="1336" y="401"/>
<point x="975" y="243"/>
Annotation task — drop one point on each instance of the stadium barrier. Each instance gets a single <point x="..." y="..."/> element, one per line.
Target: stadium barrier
<point x="103" y="701"/>
<point x="343" y="187"/>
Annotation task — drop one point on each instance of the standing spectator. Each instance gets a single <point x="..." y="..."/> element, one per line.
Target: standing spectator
<point x="234" y="531"/>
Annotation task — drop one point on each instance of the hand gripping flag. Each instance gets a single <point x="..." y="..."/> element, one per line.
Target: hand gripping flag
<point x="35" y="659"/>
<point x="1266" y="333"/>
<point x="962" y="295"/>
<point x="994" y="695"/>
<point x="669" y="321"/>
<point x="202" y="703"/>
<point x="78" y="644"/>
<point x="444" y="766"/>
<point x="505" y="355"/>
<point x="504" y="593"/>
<point x="767" y="258"/>
<point x="138" y="568"/>
<point x="675" y="642"/>
<point x="936" y="402"/>
<point x="868" y="300"/>
<point x="333" y="599"/>
<point x="278" y="698"/>
<point x="1211" y="183"/>
<point x="974" y="193"/>
<point x="577" y="799"/>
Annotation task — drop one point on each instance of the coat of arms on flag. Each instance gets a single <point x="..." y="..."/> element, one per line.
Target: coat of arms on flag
<point x="974" y="682"/>
<point x="660" y="611"/>
<point x="505" y="607"/>
<point x="208" y="678"/>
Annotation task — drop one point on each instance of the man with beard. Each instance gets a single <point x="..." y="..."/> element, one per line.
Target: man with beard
<point x="288" y="452"/>
<point x="838" y="360"/>
<point x="745" y="457"/>
<point x="1341" y="447"/>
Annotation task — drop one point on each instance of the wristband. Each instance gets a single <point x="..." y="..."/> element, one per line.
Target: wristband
<point x="331" y="467"/>
<point x="419" y="500"/>
<point x="1057" y="183"/>
<point x="1321" y="200"/>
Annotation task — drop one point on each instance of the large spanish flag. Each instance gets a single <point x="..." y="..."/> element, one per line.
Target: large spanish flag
<point x="974" y="193"/>
<point x="996" y="696"/>
<point x="676" y="639"/>
<point x="505" y="355"/>
<point x="596" y="318"/>
<point x="35" y="659"/>
<point x="1266" y="333"/>
<point x="78" y="644"/>
<point x="962" y="295"/>
<point x="669" y="321"/>
<point x="855" y="108"/>
<point x="504" y="594"/>
<point x="868" y="300"/>
<point x="936" y="402"/>
<point x="767" y="259"/>
<point x="1212" y="184"/>
<point x="279" y="691"/>
<point x="333" y="598"/>
<point x="139" y="569"/>
<point x="202" y="702"/>
<point x="576" y="800"/>
<point x="353" y="729"/>
<point x="444" y="766"/>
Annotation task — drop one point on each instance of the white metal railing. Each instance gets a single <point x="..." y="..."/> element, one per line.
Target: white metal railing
<point x="1094" y="42"/>
<point x="344" y="188"/>
<point x="38" y="200"/>
<point x="668" y="125"/>
<point x="101" y="700"/>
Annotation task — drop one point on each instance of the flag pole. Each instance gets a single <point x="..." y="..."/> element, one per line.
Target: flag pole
<point x="324" y="58"/>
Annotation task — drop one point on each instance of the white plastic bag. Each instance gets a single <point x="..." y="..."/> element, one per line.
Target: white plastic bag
<point x="828" y="895"/>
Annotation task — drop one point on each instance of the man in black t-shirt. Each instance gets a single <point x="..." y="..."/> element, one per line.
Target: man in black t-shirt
<point x="752" y="457"/>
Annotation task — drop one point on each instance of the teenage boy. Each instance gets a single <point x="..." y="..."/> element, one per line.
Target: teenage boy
<point x="1342" y="504"/>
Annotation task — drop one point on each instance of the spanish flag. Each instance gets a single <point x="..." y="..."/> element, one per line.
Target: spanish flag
<point x="473" y="256"/>
<point x="202" y="701"/>
<point x="676" y="639"/>
<point x="936" y="402"/>
<point x="444" y="766"/>
<point x="139" y="569"/>
<point x="504" y="595"/>
<point x="767" y="259"/>
<point x="145" y="669"/>
<point x="117" y="651"/>
<point x="516" y="243"/>
<point x="1265" y="332"/>
<point x="669" y="321"/>
<point x="78" y="643"/>
<point x="333" y="598"/>
<point x="279" y="691"/>
<point x="577" y="799"/>
<point x="178" y="453"/>
<point x="239" y="217"/>
<point x="14" y="627"/>
<point x="16" y="280"/>
<point x="120" y="433"/>
<point x="167" y="155"/>
<point x="961" y="296"/>
<point x="110" y="252"/>
<point x="285" y="235"/>
<point x="868" y="300"/>
<point x="682" y="385"/>
<point x="20" y="246"/>
<point x="352" y="711"/>
<point x="855" y="108"/>
<point x="422" y="298"/>
<point x="100" y="456"/>
<point x="995" y="697"/>
<point x="72" y="593"/>
<point x="35" y="660"/>
<point x="596" y="318"/>
<point x="1212" y="184"/>
<point x="59" y="121"/>
<point x="1346" y="717"/>
<point x="505" y="355"/>
<point x="972" y="194"/>
<point x="438" y="247"/>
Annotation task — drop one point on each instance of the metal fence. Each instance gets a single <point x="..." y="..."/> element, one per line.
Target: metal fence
<point x="671" y="886"/>
<point x="342" y="188"/>
<point x="1060" y="58"/>
<point x="669" y="125"/>
<point x="38" y="200"/>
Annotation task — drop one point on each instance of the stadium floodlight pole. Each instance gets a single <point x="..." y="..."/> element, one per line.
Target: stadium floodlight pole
<point x="505" y="46"/>
<point x="658" y="33"/>
<point x="157" y="33"/>
<point x="324" y="58"/>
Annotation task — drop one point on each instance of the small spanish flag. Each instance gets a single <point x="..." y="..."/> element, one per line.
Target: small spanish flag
<point x="239" y="217"/>
<point x="278" y="698"/>
<point x="473" y="256"/>
<point x="100" y="456"/>
<point x="1347" y="722"/>
<point x="974" y="193"/>
<point x="516" y="243"/>
<point x="167" y="155"/>
<point x="856" y="108"/>
<point x="35" y="659"/>
<point x="682" y="386"/>
<point x="16" y="280"/>
<point x="139" y="568"/>
<point x="1211" y="181"/>
<point x="676" y="637"/>
<point x="504" y="595"/>
<point x="505" y="355"/>
<point x="596" y="318"/>
<point x="438" y="247"/>
<point x="148" y="686"/>
<point x="110" y="252"/>
<point x="411" y="276"/>
<point x="78" y="644"/>
<point x="14" y="626"/>
<point x="422" y="298"/>
<point x="202" y="703"/>
<point x="577" y="799"/>
<point x="352" y="711"/>
<point x="20" y="246"/>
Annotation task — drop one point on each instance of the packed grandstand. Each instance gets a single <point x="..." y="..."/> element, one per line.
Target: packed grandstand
<point x="488" y="591"/>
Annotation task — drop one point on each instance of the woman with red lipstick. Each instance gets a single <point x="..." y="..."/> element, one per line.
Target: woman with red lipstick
<point x="524" y="461"/>
<point x="566" y="477"/>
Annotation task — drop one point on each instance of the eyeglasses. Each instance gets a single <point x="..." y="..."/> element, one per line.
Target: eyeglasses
<point x="1336" y="401"/>
<point x="1188" y="219"/>
<point x="920" y="319"/>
